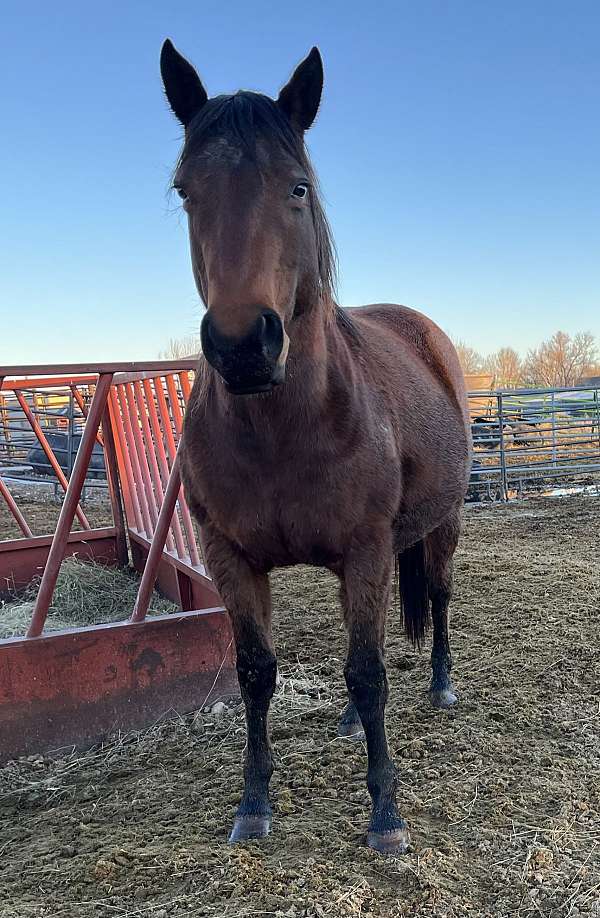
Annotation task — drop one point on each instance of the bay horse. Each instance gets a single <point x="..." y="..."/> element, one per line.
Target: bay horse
<point x="314" y="434"/>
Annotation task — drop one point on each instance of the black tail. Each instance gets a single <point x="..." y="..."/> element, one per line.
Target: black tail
<point x="414" y="596"/>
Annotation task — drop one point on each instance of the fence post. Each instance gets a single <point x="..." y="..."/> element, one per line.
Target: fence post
<point x="69" y="507"/>
<point x="114" y="487"/>
<point x="157" y="544"/>
<point x="71" y="410"/>
<point x="553" y="410"/>
<point x="502" y="447"/>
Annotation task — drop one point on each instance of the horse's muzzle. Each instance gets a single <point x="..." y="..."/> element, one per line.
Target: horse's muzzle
<point x="249" y="364"/>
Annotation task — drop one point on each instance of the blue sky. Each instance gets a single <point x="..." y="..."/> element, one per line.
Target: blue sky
<point x="458" y="146"/>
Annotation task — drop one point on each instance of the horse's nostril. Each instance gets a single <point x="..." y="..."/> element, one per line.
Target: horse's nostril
<point x="206" y="334"/>
<point x="206" y="328"/>
<point x="214" y="345"/>
<point x="271" y="321"/>
<point x="272" y="332"/>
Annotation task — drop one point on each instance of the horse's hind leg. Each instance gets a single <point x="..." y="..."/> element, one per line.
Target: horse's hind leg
<point x="366" y="582"/>
<point x="246" y="596"/>
<point x="440" y="547"/>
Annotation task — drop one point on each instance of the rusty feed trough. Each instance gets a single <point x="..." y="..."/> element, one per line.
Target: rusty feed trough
<point x="75" y="687"/>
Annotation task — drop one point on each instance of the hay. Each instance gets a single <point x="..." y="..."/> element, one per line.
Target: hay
<point x="86" y="594"/>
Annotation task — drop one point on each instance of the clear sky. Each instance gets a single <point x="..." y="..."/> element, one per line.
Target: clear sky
<point x="458" y="146"/>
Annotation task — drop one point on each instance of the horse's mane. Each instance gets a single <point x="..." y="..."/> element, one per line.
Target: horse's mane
<point x="242" y="119"/>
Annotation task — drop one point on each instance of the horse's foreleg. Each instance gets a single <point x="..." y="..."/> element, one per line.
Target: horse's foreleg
<point x="246" y="596"/>
<point x="349" y="724"/>
<point x="365" y="593"/>
<point x="441" y="545"/>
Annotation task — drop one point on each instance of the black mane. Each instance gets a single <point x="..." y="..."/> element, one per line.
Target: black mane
<point x="244" y="117"/>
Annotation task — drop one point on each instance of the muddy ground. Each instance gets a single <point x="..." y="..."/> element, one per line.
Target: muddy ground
<point x="502" y="795"/>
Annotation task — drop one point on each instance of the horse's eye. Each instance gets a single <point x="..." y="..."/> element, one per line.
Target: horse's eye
<point x="300" y="191"/>
<point x="181" y="192"/>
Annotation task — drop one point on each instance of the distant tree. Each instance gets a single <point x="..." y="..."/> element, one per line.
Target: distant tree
<point x="561" y="360"/>
<point x="506" y="366"/>
<point x="471" y="360"/>
<point x="179" y="348"/>
<point x="593" y="371"/>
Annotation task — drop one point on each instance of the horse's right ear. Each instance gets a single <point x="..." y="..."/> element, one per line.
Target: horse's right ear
<point x="300" y="97"/>
<point x="183" y="86"/>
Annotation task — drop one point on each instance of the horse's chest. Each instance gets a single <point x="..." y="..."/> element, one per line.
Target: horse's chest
<point x="281" y="510"/>
<point x="288" y="520"/>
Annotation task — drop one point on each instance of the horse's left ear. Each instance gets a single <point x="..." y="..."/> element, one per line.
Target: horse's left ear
<point x="300" y="97"/>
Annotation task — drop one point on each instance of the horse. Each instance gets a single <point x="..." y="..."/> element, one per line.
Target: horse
<point x="313" y="434"/>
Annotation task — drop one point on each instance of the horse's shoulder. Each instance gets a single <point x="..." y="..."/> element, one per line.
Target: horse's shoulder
<point x="408" y="322"/>
<point x="416" y="330"/>
<point x="420" y="337"/>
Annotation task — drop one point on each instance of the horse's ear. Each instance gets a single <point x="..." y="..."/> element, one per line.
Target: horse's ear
<point x="183" y="86"/>
<point x="300" y="97"/>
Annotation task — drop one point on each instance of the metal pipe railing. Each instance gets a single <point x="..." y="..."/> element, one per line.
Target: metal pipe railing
<point x="534" y="434"/>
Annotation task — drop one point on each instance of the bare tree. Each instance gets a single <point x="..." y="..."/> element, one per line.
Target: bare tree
<point x="179" y="348"/>
<point x="592" y="372"/>
<point x="471" y="360"/>
<point x="561" y="360"/>
<point x="506" y="366"/>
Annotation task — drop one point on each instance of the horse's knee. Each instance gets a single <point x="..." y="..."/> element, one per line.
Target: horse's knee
<point x="257" y="673"/>
<point x="366" y="679"/>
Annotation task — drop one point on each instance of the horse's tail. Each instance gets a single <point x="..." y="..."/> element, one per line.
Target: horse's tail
<point x="411" y="572"/>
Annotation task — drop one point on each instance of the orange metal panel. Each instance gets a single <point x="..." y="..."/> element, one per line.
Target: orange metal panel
<point x="142" y="457"/>
<point x="23" y="559"/>
<point x="185" y="513"/>
<point x="74" y="688"/>
<point x="48" y="382"/>
<point x="131" y="452"/>
<point x="162" y="461"/>
<point x="132" y="507"/>
<point x="150" y="452"/>
<point x="67" y="371"/>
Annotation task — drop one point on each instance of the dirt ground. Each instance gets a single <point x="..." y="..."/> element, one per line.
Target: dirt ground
<point x="502" y="795"/>
<point x="42" y="516"/>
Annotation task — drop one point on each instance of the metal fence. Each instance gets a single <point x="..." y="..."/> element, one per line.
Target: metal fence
<point x="534" y="440"/>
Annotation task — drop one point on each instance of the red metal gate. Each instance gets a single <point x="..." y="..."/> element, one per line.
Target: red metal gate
<point x="76" y="686"/>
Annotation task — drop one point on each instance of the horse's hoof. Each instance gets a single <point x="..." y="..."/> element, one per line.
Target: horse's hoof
<point x="245" y="827"/>
<point x="351" y="730"/>
<point x="443" y="698"/>
<point x="392" y="843"/>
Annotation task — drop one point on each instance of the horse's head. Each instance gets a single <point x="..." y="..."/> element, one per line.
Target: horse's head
<point x="261" y="250"/>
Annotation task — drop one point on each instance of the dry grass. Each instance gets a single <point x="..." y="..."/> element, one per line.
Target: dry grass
<point x="502" y="795"/>
<point x="85" y="594"/>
